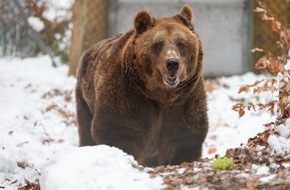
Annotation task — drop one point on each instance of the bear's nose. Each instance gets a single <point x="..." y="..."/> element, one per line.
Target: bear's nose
<point x="172" y="64"/>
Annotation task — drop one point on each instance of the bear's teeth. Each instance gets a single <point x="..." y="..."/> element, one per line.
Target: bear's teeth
<point x="171" y="83"/>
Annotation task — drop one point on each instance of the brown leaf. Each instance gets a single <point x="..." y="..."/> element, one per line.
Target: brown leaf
<point x="287" y="31"/>
<point x="51" y="107"/>
<point x="271" y="106"/>
<point x="241" y="112"/>
<point x="238" y="106"/>
<point x="46" y="141"/>
<point x="244" y="89"/>
<point x="258" y="90"/>
<point x="209" y="86"/>
<point x="259" y="9"/>
<point x="230" y="152"/>
<point x="158" y="169"/>
<point x="257" y="49"/>
<point x="282" y="34"/>
<point x="288" y="111"/>
<point x="212" y="178"/>
<point x="271" y="81"/>
<point x="29" y="186"/>
<point x="276" y="26"/>
<point x="63" y="112"/>
<point x="60" y="141"/>
<point x="256" y="83"/>
<point x="279" y="45"/>
<point x="262" y="63"/>
<point x="57" y="92"/>
<point x="188" y="180"/>
<point x="184" y="165"/>
<point x="67" y="97"/>
<point x="288" y="44"/>
<point x="22" y="165"/>
<point x="251" y="185"/>
<point x="212" y="150"/>
<point x="251" y="105"/>
<point x="266" y="17"/>
<point x="283" y="98"/>
<point x="261" y="106"/>
<point x="275" y="66"/>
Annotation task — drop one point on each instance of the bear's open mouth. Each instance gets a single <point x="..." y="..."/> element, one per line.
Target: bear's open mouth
<point x="171" y="82"/>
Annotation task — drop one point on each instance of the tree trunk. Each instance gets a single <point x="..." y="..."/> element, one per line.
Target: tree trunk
<point x="89" y="27"/>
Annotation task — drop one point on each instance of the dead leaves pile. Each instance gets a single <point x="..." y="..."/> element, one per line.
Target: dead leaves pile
<point x="256" y="152"/>
<point x="26" y="186"/>
<point x="29" y="186"/>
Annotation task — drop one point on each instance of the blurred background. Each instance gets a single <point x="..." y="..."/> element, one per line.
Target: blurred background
<point x="229" y="29"/>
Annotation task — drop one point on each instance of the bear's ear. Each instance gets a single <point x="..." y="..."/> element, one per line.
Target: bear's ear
<point x="143" y="21"/>
<point x="186" y="12"/>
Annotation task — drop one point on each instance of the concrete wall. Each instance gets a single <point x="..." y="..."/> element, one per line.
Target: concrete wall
<point x="221" y="24"/>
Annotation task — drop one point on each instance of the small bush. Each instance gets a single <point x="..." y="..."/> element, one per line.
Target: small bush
<point x="223" y="163"/>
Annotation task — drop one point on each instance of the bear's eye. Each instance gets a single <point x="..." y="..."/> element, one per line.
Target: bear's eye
<point x="158" y="45"/>
<point x="181" y="46"/>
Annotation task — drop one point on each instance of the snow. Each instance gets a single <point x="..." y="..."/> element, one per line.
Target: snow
<point x="110" y="169"/>
<point x="280" y="144"/>
<point x="267" y="178"/>
<point x="284" y="130"/>
<point x="227" y="130"/>
<point x="261" y="169"/>
<point x="58" y="9"/>
<point x="39" y="138"/>
<point x="30" y="134"/>
<point x="36" y="23"/>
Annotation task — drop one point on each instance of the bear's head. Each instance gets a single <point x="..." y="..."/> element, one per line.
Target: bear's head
<point x="167" y="49"/>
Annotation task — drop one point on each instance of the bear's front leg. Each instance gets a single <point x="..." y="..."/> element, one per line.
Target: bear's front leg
<point x="185" y="148"/>
<point x="84" y="118"/>
<point x="128" y="138"/>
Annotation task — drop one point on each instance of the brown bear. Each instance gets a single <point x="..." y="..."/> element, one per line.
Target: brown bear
<point x="143" y="91"/>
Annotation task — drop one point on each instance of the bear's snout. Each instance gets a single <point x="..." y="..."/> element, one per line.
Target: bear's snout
<point x="171" y="78"/>
<point x="172" y="65"/>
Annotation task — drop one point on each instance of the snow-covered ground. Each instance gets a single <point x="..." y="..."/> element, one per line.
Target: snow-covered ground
<point x="39" y="139"/>
<point x="32" y="124"/>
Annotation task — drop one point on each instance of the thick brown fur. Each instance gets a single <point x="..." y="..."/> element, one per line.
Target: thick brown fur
<point x="129" y="96"/>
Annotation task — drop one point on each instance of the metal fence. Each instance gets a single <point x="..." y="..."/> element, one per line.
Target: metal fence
<point x="15" y="38"/>
<point x="18" y="38"/>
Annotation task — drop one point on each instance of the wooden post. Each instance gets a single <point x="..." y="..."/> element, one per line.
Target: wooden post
<point x="89" y="27"/>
